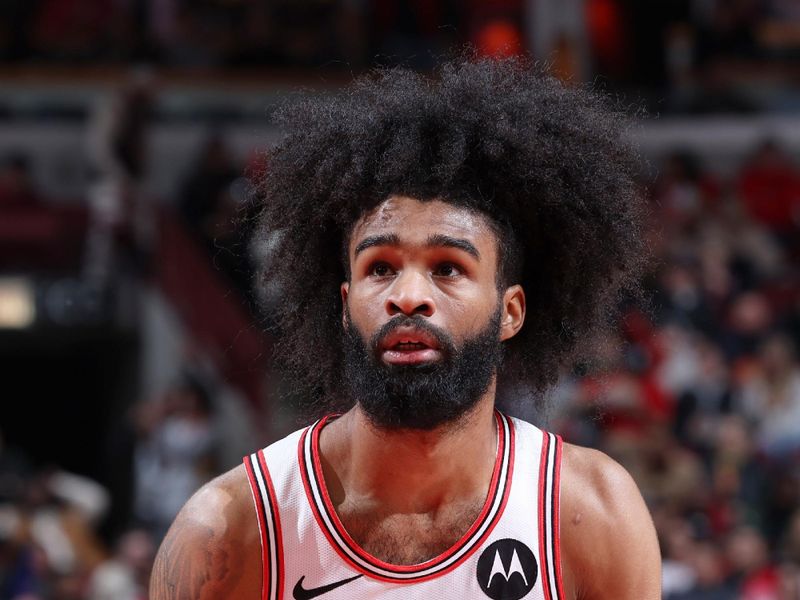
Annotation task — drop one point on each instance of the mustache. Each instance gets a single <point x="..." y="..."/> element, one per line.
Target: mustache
<point x="418" y="322"/>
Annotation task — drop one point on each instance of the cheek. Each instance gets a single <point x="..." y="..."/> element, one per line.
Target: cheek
<point x="363" y="306"/>
<point x="469" y="311"/>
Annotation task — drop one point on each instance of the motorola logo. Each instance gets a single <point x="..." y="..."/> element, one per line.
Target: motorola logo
<point x="507" y="570"/>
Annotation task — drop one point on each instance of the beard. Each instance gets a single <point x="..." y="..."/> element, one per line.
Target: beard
<point x="423" y="396"/>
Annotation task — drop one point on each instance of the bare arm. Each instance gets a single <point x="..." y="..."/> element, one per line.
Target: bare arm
<point x="609" y="545"/>
<point x="212" y="549"/>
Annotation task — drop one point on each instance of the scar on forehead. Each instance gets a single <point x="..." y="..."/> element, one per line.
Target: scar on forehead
<point x="379" y="215"/>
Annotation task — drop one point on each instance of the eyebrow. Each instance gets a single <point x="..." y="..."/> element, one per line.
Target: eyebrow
<point x="436" y="240"/>
<point x="389" y="239"/>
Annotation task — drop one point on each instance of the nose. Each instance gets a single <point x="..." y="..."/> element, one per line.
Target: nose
<point x="410" y="295"/>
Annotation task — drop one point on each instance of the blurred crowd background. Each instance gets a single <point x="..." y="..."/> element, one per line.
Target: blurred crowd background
<point x="134" y="359"/>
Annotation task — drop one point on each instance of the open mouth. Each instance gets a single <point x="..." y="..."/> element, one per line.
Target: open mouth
<point x="408" y="347"/>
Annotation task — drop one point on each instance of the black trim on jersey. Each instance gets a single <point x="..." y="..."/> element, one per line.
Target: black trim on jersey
<point x="263" y="520"/>
<point x="553" y="508"/>
<point x="275" y="572"/>
<point x="544" y="526"/>
<point x="550" y="546"/>
<point x="550" y="518"/>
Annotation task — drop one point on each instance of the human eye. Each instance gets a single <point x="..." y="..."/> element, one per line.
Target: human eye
<point x="380" y="269"/>
<point x="447" y="269"/>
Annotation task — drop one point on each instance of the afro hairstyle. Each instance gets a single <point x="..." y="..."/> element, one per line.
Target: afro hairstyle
<point x="550" y="165"/>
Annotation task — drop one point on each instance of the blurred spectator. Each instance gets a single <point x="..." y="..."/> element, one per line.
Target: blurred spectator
<point x="737" y="479"/>
<point x="677" y="574"/>
<point x="704" y="397"/>
<point x="175" y="453"/>
<point x="59" y="512"/>
<point x="708" y="573"/>
<point x="749" y="318"/>
<point x="755" y="255"/>
<point x="205" y="188"/>
<point x="749" y="559"/>
<point x="126" y="575"/>
<point x="684" y="190"/>
<point x="771" y="398"/>
<point x="215" y="203"/>
<point x="47" y="539"/>
<point x="119" y="138"/>
<point x="120" y="212"/>
<point x="667" y="473"/>
<point x="681" y="298"/>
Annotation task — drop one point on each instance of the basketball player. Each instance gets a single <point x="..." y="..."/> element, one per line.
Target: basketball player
<point x="441" y="243"/>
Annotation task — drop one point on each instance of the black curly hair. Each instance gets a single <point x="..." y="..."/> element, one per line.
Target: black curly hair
<point x="549" y="164"/>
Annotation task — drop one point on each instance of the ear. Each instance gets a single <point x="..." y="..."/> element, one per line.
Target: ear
<point x="513" y="312"/>
<point x="344" y="290"/>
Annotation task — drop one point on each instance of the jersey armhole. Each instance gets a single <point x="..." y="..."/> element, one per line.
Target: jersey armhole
<point x="269" y="526"/>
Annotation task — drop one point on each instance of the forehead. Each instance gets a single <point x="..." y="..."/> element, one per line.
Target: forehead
<point x="413" y="220"/>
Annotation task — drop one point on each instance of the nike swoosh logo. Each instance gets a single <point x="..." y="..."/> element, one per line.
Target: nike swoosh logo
<point x="300" y="593"/>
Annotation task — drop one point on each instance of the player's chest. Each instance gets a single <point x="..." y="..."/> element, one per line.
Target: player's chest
<point x="509" y="550"/>
<point x="503" y="560"/>
<point x="407" y="539"/>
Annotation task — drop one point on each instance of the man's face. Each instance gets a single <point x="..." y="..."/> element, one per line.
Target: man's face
<point x="424" y="319"/>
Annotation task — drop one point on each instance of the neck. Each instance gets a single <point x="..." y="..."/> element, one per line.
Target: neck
<point x="410" y="471"/>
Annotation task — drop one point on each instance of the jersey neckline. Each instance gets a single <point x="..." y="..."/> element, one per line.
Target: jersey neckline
<point x="361" y="560"/>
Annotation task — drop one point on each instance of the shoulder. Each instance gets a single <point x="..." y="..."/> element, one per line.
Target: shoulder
<point x="212" y="550"/>
<point x="608" y="542"/>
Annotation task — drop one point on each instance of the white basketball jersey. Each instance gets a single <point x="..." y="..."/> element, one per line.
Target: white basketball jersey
<point x="511" y="551"/>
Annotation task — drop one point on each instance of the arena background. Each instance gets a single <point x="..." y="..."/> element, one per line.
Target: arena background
<point x="134" y="360"/>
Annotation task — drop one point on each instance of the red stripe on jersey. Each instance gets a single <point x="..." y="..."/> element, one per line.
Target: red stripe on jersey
<point x="309" y="494"/>
<point x="262" y="528"/>
<point x="304" y="475"/>
<point x="556" y="511"/>
<point x="542" y="511"/>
